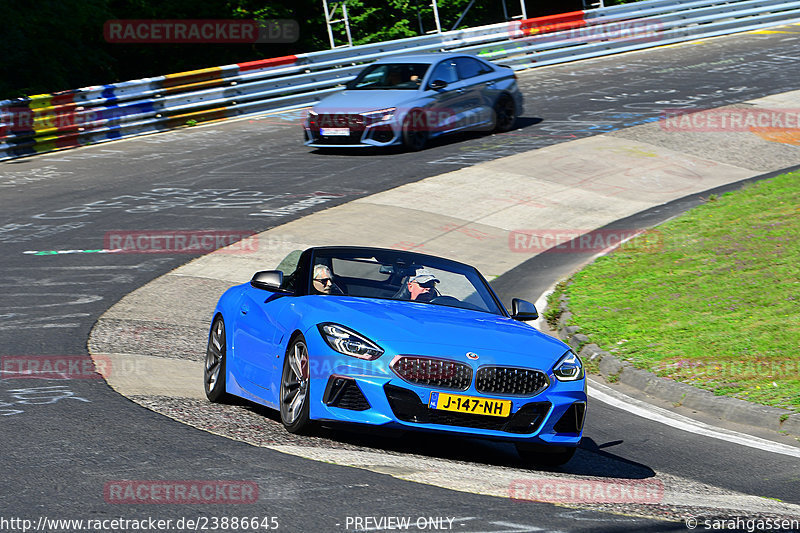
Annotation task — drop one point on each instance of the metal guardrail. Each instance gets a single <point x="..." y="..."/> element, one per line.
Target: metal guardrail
<point x="43" y="123"/>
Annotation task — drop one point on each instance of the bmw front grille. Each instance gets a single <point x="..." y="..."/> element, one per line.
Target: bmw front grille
<point x="434" y="373"/>
<point x="510" y="381"/>
<point x="445" y="374"/>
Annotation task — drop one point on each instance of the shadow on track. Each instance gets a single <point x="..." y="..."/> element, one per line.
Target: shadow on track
<point x="439" y="142"/>
<point x="592" y="459"/>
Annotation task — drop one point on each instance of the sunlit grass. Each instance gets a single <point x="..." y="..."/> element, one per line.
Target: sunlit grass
<point x="713" y="299"/>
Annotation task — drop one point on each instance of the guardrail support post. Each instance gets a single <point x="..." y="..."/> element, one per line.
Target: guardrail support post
<point x="330" y="22"/>
<point x="436" y="16"/>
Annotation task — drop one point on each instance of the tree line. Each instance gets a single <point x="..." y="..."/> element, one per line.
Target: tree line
<point x="56" y="45"/>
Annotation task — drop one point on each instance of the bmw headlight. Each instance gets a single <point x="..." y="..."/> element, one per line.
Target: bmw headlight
<point x="381" y="115"/>
<point x="348" y="342"/>
<point x="568" y="368"/>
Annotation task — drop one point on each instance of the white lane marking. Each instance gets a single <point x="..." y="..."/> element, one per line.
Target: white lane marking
<point x="622" y="401"/>
<point x="579" y="514"/>
<point x="514" y="528"/>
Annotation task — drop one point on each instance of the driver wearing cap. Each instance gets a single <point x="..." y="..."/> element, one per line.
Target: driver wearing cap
<point x="422" y="286"/>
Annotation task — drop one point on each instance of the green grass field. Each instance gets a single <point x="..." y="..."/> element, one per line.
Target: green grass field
<point x="711" y="298"/>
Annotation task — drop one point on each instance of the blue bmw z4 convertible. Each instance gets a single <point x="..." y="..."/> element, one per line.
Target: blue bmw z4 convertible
<point x="397" y="339"/>
<point x="413" y="98"/>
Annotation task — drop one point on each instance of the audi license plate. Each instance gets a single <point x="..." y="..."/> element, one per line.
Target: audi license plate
<point x="334" y="132"/>
<point x="469" y="404"/>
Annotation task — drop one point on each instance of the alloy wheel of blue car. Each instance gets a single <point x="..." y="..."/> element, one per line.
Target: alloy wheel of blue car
<point x="294" y="392"/>
<point x="214" y="373"/>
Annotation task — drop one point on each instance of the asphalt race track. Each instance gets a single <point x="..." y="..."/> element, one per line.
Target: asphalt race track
<point x="65" y="441"/>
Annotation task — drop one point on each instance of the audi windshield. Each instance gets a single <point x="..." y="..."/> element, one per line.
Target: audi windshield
<point x="401" y="76"/>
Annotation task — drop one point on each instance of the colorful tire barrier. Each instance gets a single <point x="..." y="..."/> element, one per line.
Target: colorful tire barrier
<point x="47" y="122"/>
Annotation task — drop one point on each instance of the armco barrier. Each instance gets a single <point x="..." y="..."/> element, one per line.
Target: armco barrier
<point x="43" y="123"/>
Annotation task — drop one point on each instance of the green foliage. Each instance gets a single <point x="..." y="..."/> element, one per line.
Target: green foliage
<point x="54" y="45"/>
<point x="373" y="21"/>
<point x="717" y="305"/>
<point x="58" y="45"/>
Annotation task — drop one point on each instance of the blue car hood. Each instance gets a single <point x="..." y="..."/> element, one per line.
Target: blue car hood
<point x="403" y="324"/>
<point x="359" y="101"/>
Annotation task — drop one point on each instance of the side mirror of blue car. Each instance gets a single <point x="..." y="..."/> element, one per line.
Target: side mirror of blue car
<point x="268" y="280"/>
<point x="523" y="310"/>
<point x="438" y="85"/>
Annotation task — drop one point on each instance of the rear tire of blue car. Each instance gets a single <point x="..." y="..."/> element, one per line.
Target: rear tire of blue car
<point x="214" y="371"/>
<point x="294" y="392"/>
<point x="542" y="455"/>
<point x="416" y="130"/>
<point x="505" y="114"/>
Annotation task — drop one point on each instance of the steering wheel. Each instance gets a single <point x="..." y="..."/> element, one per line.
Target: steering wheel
<point x="446" y="300"/>
<point x="452" y="301"/>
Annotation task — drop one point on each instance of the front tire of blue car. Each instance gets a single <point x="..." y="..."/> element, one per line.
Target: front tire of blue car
<point x="294" y="393"/>
<point x="214" y="370"/>
<point x="542" y="455"/>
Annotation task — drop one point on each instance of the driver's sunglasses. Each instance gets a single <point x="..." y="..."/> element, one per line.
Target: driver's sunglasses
<point x="324" y="281"/>
<point x="427" y="284"/>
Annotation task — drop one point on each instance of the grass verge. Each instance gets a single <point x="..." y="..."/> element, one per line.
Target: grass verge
<point x="712" y="298"/>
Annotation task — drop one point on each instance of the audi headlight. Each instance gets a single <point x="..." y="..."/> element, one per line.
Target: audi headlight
<point x="348" y="342"/>
<point x="381" y="115"/>
<point x="568" y="368"/>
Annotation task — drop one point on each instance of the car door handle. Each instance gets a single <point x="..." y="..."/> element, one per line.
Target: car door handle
<point x="244" y="309"/>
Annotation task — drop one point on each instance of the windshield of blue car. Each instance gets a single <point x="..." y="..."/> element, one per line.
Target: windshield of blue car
<point x="405" y="276"/>
<point x="402" y="76"/>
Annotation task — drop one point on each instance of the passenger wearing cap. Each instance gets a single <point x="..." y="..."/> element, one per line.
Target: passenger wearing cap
<point x="420" y="287"/>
